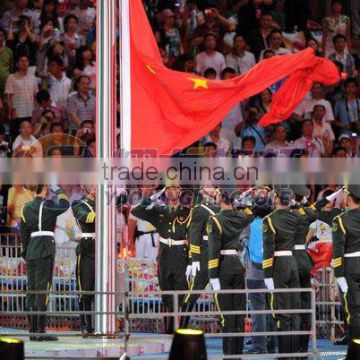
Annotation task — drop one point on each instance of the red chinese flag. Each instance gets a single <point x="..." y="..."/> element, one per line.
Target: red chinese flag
<point x="170" y="110"/>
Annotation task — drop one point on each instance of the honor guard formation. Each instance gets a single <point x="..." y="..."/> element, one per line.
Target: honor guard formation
<point x="205" y="244"/>
<point x="227" y="240"/>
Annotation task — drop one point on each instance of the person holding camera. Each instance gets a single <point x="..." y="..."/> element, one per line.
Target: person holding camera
<point x="21" y="8"/>
<point x="84" y="134"/>
<point x="44" y="103"/>
<point x="24" y="39"/>
<point x="42" y="126"/>
<point x="249" y="127"/>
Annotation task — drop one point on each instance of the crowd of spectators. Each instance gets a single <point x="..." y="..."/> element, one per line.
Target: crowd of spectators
<point x="47" y="86"/>
<point x="220" y="39"/>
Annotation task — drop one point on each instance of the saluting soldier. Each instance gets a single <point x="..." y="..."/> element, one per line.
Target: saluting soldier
<point x="198" y="236"/>
<point x="346" y="261"/>
<point x="85" y="215"/>
<point x="37" y="226"/>
<point x="280" y="266"/>
<point x="226" y="270"/>
<point x="172" y="221"/>
<point x="308" y="215"/>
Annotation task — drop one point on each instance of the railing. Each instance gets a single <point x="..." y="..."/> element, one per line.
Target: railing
<point x="126" y="316"/>
<point x="139" y="309"/>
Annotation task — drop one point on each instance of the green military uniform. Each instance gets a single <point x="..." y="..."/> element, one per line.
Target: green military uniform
<point x="84" y="212"/>
<point x="346" y="260"/>
<point x="279" y="230"/>
<point x="224" y="263"/>
<point x="172" y="224"/>
<point x="199" y="251"/>
<point x="37" y="226"/>
<point x="307" y="216"/>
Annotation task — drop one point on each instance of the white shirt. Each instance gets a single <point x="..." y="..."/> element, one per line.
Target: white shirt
<point x="315" y="147"/>
<point x="223" y="145"/>
<point x="323" y="130"/>
<point x="215" y="61"/>
<point x="306" y="107"/>
<point x="279" y="51"/>
<point x="20" y="141"/>
<point x="13" y="14"/>
<point x="23" y="90"/>
<point x="241" y="64"/>
<point x="59" y="89"/>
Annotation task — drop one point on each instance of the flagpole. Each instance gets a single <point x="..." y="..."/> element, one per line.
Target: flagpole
<point x="125" y="76"/>
<point x="105" y="254"/>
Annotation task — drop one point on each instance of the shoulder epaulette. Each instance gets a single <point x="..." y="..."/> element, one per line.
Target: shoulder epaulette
<point x="217" y="222"/>
<point x="267" y="218"/>
<point x="301" y="211"/>
<point x="340" y="222"/>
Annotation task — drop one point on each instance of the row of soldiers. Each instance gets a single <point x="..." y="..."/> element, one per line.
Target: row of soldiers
<point x="200" y="245"/>
<point x="37" y="227"/>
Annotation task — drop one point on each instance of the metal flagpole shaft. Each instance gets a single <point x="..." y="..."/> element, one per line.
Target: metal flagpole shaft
<point x="125" y="76"/>
<point x="105" y="254"/>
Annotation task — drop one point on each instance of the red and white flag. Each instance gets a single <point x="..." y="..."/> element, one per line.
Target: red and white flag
<point x="166" y="110"/>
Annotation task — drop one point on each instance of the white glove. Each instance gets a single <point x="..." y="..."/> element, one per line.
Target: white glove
<point x="342" y="284"/>
<point x="269" y="283"/>
<point x="304" y="200"/>
<point x="188" y="272"/>
<point x="292" y="202"/>
<point x="158" y="194"/>
<point x="54" y="188"/>
<point x="239" y="201"/>
<point x="195" y="268"/>
<point x="334" y="195"/>
<point x="215" y="284"/>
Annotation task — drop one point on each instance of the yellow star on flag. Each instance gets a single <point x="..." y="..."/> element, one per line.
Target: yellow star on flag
<point x="199" y="83"/>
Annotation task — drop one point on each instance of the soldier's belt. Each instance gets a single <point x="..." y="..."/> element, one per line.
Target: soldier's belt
<point x="87" y="235"/>
<point x="172" y="242"/>
<point x="283" y="253"/>
<point x="205" y="237"/>
<point x="299" y="247"/>
<point x="353" y="254"/>
<point x="142" y="233"/>
<point x="229" y="252"/>
<point x="42" y="233"/>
